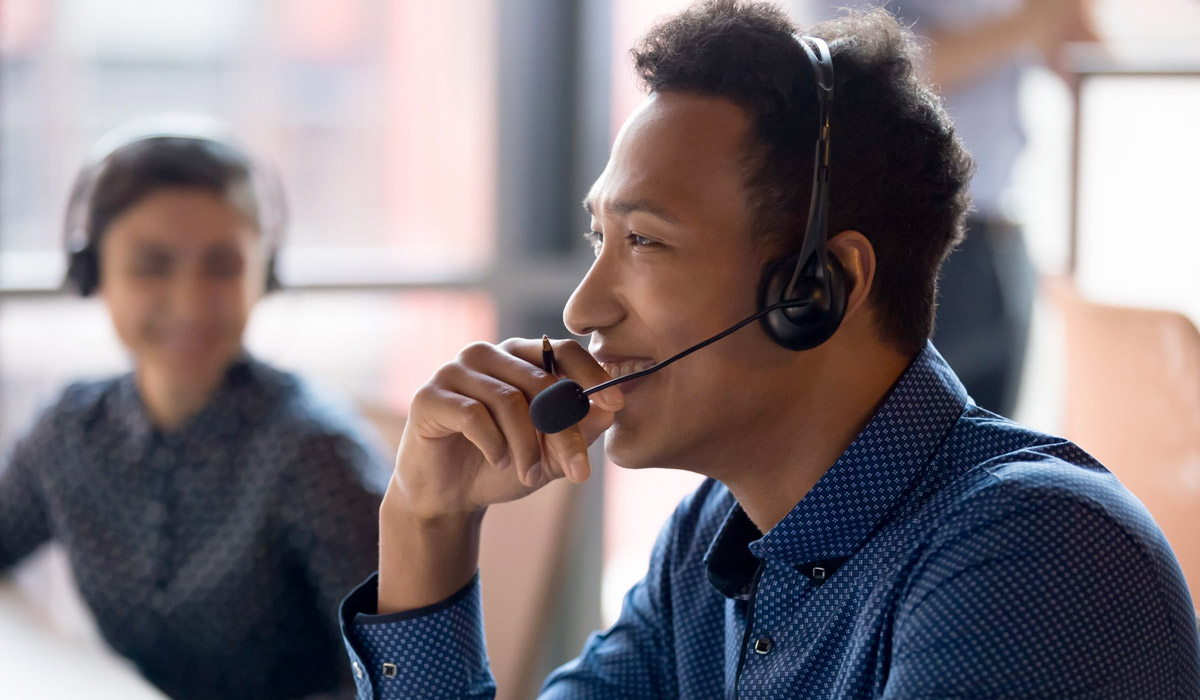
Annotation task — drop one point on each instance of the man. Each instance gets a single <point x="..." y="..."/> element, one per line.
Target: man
<point x="865" y="531"/>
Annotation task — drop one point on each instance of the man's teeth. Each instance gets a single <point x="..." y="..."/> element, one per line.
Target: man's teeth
<point x="620" y="369"/>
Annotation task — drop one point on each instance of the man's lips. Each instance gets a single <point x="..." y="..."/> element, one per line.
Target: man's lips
<point x="618" y="365"/>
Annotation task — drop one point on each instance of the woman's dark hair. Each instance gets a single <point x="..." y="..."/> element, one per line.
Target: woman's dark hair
<point x="898" y="172"/>
<point x="137" y="170"/>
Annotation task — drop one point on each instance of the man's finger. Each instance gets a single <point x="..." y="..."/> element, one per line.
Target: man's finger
<point x="568" y="451"/>
<point x="445" y="412"/>
<point x="509" y="410"/>
<point x="574" y="362"/>
<point x="518" y="361"/>
<point x="520" y="371"/>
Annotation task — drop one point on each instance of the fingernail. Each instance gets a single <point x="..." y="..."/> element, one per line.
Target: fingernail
<point x="580" y="467"/>
<point x="534" y="476"/>
<point x="505" y="462"/>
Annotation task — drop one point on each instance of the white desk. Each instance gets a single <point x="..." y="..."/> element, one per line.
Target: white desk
<point x="40" y="662"/>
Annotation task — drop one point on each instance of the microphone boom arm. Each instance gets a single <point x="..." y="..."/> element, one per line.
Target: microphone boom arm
<point x="694" y="348"/>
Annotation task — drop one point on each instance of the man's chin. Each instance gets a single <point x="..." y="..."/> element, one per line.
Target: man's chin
<point x="628" y="452"/>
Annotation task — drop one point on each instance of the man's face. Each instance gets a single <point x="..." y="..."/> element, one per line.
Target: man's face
<point x="676" y="262"/>
<point x="180" y="271"/>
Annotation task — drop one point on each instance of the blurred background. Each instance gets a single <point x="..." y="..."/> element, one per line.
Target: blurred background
<point x="434" y="155"/>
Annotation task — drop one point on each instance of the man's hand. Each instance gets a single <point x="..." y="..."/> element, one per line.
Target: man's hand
<point x="469" y="443"/>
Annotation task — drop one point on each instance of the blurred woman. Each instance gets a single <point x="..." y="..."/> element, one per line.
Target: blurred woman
<point x="213" y="509"/>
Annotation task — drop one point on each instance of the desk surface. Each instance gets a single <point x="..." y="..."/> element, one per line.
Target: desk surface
<point x="39" y="662"/>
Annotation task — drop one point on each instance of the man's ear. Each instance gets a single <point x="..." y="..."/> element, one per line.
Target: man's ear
<point x="857" y="256"/>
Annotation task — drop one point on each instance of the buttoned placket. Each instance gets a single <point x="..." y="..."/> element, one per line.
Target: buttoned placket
<point x="161" y="464"/>
<point x="759" y="639"/>
<point x="751" y="600"/>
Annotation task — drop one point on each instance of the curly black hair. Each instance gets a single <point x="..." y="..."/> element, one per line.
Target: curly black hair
<point x="898" y="173"/>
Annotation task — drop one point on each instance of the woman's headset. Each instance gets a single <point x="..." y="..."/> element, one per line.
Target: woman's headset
<point x="79" y="231"/>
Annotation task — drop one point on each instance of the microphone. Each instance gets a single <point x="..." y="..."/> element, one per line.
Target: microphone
<point x="565" y="403"/>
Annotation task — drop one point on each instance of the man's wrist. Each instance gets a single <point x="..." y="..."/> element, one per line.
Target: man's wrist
<point x="424" y="560"/>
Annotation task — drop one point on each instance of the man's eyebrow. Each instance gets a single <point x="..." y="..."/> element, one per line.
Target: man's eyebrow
<point x="624" y="207"/>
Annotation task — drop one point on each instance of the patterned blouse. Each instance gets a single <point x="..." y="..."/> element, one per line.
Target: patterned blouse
<point x="212" y="556"/>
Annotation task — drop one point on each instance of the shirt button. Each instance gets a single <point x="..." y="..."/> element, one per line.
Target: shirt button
<point x="358" y="672"/>
<point x="763" y="645"/>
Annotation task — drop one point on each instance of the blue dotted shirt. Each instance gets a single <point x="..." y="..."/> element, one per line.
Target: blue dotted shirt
<point x="949" y="553"/>
<point x="213" y="556"/>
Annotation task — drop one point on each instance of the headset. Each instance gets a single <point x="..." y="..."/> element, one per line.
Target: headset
<point x="79" y="234"/>
<point x="810" y="284"/>
<point x="802" y="297"/>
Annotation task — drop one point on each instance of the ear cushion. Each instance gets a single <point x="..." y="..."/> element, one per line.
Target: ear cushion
<point x="816" y="315"/>
<point x="83" y="270"/>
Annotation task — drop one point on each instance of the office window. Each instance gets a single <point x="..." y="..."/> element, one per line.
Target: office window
<point x="379" y="117"/>
<point x="1138" y="236"/>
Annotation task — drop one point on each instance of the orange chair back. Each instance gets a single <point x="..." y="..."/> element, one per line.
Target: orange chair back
<point x="1133" y="402"/>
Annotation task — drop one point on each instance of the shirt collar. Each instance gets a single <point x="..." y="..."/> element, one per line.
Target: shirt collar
<point x="857" y="493"/>
<point x="132" y="414"/>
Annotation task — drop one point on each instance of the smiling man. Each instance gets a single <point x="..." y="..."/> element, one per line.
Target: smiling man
<point x="865" y="530"/>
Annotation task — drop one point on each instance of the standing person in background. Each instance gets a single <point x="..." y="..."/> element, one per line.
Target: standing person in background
<point x="976" y="55"/>
<point x="213" y="509"/>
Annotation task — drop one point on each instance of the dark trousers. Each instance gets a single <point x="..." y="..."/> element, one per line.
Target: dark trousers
<point x="985" y="300"/>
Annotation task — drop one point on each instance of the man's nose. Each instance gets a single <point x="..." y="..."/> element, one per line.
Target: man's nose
<point x="595" y="304"/>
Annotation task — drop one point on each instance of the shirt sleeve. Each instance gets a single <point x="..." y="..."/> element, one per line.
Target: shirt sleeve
<point x="440" y="651"/>
<point x="24" y="521"/>
<point x="1045" y="594"/>
<point x="425" y="654"/>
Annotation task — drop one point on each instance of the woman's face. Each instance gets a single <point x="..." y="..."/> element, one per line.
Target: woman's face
<point x="180" y="271"/>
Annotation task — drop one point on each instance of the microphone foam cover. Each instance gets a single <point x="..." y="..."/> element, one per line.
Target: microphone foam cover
<point x="558" y="407"/>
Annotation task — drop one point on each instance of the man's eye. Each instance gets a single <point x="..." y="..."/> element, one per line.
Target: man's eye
<point x="641" y="241"/>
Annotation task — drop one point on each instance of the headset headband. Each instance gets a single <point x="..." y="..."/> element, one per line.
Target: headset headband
<point x="816" y="233"/>
<point x="264" y="182"/>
